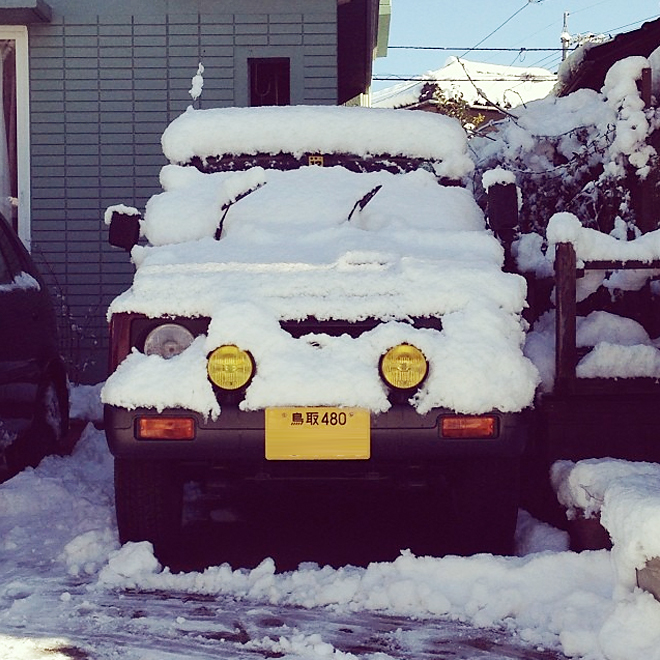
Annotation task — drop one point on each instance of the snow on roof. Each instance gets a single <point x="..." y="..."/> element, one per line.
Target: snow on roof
<point x="477" y="82"/>
<point x="299" y="130"/>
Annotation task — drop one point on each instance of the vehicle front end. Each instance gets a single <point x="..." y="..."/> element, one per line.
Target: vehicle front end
<point x="321" y="323"/>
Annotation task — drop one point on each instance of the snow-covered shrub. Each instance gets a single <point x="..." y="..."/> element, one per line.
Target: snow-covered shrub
<point x="585" y="153"/>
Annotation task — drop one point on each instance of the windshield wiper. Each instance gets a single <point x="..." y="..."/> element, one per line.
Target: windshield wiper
<point x="361" y="203"/>
<point x="227" y="205"/>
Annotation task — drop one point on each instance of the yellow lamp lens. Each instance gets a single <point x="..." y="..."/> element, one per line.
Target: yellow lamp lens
<point x="230" y="368"/>
<point x="403" y="367"/>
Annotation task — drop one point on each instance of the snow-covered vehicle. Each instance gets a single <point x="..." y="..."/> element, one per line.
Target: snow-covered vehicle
<point x="318" y="299"/>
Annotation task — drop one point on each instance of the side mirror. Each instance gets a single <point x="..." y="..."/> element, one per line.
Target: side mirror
<point x="124" y="230"/>
<point x="503" y="210"/>
<point x="503" y="217"/>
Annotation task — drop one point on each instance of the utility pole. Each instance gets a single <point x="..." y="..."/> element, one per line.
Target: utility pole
<point x="565" y="38"/>
<point x="568" y="40"/>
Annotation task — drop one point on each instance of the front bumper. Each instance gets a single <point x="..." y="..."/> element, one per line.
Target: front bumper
<point x="398" y="436"/>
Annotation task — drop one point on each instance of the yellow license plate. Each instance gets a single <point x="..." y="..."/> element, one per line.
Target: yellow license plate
<point x="317" y="433"/>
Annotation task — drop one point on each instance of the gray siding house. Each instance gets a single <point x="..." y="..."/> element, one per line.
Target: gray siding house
<point x="88" y="87"/>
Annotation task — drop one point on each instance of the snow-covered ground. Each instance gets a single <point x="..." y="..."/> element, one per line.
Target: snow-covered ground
<point x="67" y="589"/>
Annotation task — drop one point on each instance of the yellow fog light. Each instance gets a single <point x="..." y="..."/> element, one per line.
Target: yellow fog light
<point x="403" y="367"/>
<point x="230" y="368"/>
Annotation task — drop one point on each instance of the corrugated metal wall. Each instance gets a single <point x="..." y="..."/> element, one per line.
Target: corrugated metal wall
<point x="104" y="84"/>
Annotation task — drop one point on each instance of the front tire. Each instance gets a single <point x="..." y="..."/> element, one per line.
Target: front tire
<point x="52" y="417"/>
<point x="148" y="502"/>
<point x="47" y="433"/>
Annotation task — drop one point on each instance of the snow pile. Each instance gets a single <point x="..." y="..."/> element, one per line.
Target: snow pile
<point x="73" y="499"/>
<point x="322" y="243"/>
<point x="632" y="127"/>
<point x="626" y="496"/>
<point x="318" y="129"/>
<point x="478" y="83"/>
<point x="484" y="590"/>
<point x="85" y="402"/>
<point x="550" y="600"/>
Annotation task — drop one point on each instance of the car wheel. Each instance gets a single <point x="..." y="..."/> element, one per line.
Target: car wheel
<point x="486" y="497"/>
<point x="52" y="417"/>
<point x="148" y="502"/>
<point x="47" y="432"/>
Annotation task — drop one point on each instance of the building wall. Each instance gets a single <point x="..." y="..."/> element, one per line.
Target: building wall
<point x="106" y="77"/>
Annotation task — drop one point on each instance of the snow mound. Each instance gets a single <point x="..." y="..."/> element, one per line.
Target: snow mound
<point x="626" y="496"/>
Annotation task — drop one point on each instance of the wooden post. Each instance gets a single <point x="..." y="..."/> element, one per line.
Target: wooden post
<point x="565" y="293"/>
<point x="646" y="189"/>
<point x="646" y="87"/>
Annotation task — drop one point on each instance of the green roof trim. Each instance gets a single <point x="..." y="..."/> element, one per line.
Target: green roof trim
<point x="384" y="19"/>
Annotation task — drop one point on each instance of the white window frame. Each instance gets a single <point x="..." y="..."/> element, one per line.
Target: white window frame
<point x="19" y="34"/>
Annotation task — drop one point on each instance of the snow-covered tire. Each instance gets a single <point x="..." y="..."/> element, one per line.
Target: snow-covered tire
<point x="48" y="430"/>
<point x="486" y="496"/>
<point x="148" y="502"/>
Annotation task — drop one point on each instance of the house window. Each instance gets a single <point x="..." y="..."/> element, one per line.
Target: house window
<point x="270" y="81"/>
<point x="14" y="130"/>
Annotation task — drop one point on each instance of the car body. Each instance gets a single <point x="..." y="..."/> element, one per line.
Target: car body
<point x="319" y="299"/>
<point x="33" y="383"/>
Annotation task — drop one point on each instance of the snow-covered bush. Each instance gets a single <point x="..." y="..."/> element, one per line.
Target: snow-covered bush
<point x="584" y="153"/>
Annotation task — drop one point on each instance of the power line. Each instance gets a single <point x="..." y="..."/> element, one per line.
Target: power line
<point x="517" y="50"/>
<point x="642" y="20"/>
<point x="496" y="29"/>
<point x="441" y="80"/>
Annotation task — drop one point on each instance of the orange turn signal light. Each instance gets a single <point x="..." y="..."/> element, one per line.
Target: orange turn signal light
<point x="469" y="426"/>
<point x="166" y="428"/>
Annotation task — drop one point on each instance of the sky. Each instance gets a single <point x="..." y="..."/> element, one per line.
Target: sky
<point x="453" y="28"/>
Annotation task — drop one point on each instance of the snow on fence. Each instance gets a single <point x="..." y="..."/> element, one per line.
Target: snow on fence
<point x="577" y="247"/>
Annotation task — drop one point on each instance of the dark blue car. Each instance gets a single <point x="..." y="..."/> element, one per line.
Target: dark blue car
<point x="34" y="400"/>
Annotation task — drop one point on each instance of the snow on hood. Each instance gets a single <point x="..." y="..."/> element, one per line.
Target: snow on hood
<point x="300" y="246"/>
<point x="318" y="129"/>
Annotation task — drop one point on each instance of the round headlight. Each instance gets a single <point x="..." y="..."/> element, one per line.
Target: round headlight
<point x="403" y="367"/>
<point x="230" y="368"/>
<point x="168" y="340"/>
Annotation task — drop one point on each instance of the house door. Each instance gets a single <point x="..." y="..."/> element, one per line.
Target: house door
<point x="14" y="130"/>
